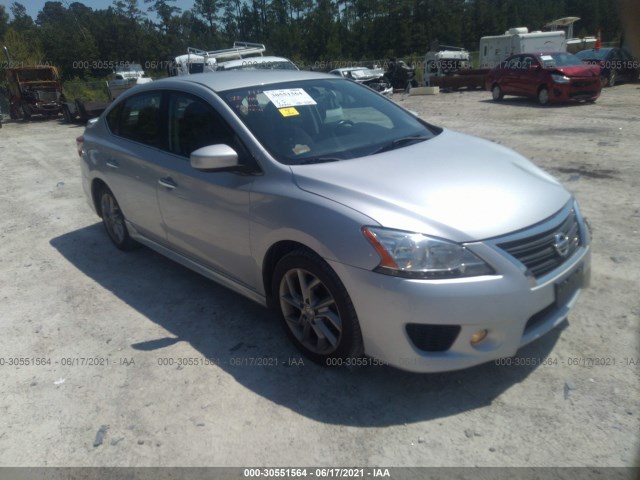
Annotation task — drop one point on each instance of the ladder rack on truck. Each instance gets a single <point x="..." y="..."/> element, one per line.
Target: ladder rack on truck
<point x="238" y="51"/>
<point x="197" y="60"/>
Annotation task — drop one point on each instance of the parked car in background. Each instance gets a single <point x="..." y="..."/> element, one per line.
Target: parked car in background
<point x="126" y="76"/>
<point x="371" y="78"/>
<point x="549" y="77"/>
<point x="369" y="230"/>
<point x="616" y="64"/>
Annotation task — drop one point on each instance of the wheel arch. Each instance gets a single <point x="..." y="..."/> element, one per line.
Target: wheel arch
<point x="97" y="184"/>
<point x="273" y="255"/>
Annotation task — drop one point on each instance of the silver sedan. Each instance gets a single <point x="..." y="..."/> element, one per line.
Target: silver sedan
<point x="378" y="237"/>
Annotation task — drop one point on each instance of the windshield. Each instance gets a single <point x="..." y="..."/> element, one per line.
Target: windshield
<point x="36" y="75"/>
<point x="324" y="120"/>
<point x="559" y="59"/>
<point x="593" y="54"/>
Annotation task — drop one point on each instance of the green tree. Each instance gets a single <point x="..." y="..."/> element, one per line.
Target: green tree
<point x="322" y="39"/>
<point x="4" y="21"/>
<point x="20" y="49"/>
<point x="165" y="11"/>
<point x="208" y="10"/>
<point x="65" y="38"/>
<point x="128" y="9"/>
<point x="21" y="20"/>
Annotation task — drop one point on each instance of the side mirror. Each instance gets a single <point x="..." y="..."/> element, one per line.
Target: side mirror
<point x="214" y="158"/>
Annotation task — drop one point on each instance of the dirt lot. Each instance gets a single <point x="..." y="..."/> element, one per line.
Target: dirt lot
<point x="99" y="329"/>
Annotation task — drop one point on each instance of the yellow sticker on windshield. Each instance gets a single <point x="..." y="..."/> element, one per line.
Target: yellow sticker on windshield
<point x="288" y="112"/>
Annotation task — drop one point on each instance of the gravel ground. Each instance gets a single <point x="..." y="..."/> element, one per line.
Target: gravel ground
<point x="98" y="334"/>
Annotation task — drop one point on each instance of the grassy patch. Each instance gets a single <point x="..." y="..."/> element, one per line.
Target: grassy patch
<point x="93" y="90"/>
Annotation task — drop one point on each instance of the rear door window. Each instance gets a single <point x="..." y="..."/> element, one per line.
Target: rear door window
<point x="139" y="119"/>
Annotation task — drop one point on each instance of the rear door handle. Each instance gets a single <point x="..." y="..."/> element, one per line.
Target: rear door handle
<point x="168" y="182"/>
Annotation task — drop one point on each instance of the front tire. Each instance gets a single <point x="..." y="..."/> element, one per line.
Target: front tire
<point x="114" y="221"/>
<point x="613" y="77"/>
<point x="543" y="96"/>
<point x="315" y="308"/>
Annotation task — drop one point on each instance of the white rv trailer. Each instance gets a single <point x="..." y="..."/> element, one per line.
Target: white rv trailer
<point x="495" y="49"/>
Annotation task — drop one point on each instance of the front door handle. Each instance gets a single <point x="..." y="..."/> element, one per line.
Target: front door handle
<point x="168" y="182"/>
<point x="112" y="164"/>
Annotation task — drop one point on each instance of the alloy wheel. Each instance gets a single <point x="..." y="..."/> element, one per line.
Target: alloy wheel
<point x="113" y="218"/>
<point x="310" y="311"/>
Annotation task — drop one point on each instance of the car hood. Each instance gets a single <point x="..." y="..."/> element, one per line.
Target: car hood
<point x="366" y="78"/>
<point x="453" y="186"/>
<point x="579" y="70"/>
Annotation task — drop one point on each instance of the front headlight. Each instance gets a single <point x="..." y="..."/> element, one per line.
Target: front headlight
<point x="560" y="78"/>
<point x="414" y="255"/>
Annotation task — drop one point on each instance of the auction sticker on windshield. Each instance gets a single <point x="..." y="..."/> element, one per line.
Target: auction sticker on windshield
<point x="548" y="61"/>
<point x="288" y="112"/>
<point x="290" y="97"/>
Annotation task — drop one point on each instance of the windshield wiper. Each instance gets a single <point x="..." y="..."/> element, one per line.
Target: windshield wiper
<point x="399" y="142"/>
<point x="310" y="161"/>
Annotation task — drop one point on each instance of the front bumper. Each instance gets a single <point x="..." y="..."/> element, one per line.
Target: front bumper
<point x="513" y="306"/>
<point x="578" y="89"/>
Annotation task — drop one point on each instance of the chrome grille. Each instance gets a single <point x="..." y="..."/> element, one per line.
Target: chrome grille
<point x="545" y="251"/>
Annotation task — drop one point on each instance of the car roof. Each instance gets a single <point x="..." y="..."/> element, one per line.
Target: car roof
<point x="538" y="54"/>
<point x="594" y="50"/>
<point x="232" y="79"/>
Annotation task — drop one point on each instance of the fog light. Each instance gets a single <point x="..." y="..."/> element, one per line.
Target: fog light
<point x="479" y="336"/>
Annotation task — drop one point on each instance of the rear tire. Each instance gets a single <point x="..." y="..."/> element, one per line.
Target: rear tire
<point x="612" y="79"/>
<point x="496" y="93"/>
<point x="315" y="308"/>
<point x="114" y="221"/>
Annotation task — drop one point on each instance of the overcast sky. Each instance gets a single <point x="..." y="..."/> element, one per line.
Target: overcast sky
<point x="34" y="6"/>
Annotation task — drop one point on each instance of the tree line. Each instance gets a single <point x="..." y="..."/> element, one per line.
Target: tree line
<point x="315" y="34"/>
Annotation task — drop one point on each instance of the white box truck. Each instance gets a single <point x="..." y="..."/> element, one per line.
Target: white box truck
<point x="495" y="49"/>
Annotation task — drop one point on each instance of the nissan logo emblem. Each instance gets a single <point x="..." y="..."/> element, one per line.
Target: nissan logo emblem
<point x="561" y="244"/>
